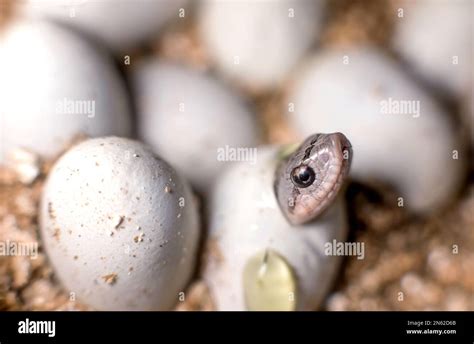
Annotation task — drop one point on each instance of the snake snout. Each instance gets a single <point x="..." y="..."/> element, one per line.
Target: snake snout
<point x="339" y="139"/>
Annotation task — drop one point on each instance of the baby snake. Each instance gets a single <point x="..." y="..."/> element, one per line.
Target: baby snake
<point x="308" y="180"/>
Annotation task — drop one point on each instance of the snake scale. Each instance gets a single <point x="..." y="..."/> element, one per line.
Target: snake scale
<point x="308" y="180"/>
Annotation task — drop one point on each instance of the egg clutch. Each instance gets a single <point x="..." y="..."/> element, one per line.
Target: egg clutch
<point x="159" y="159"/>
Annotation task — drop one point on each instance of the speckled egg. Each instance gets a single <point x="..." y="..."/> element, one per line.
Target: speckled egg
<point x="119" y="225"/>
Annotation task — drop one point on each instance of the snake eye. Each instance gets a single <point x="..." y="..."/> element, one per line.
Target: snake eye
<point x="303" y="176"/>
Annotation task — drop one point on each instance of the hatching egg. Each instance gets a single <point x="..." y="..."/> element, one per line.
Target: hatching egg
<point x="255" y="259"/>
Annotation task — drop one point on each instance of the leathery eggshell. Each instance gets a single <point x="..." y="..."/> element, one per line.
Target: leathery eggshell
<point x="119" y="225"/>
<point x="399" y="134"/>
<point x="435" y="37"/>
<point x="120" y="24"/>
<point x="256" y="260"/>
<point x="187" y="116"/>
<point x="259" y="42"/>
<point x="55" y="86"/>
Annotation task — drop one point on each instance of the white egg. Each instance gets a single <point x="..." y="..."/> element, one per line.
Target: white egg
<point x="119" y="225"/>
<point x="246" y="224"/>
<point x="188" y="117"/>
<point x="55" y="86"/>
<point x="399" y="134"/>
<point x="435" y="37"/>
<point x="259" y="42"/>
<point x="120" y="24"/>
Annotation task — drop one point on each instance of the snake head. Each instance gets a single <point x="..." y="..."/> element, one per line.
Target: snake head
<point x="309" y="179"/>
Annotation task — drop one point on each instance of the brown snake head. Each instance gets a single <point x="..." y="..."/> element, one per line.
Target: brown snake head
<point x="309" y="179"/>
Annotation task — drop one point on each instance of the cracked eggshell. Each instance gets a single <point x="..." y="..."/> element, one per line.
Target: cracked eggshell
<point x="120" y="24"/>
<point x="245" y="222"/>
<point x="119" y="225"/>
<point x="356" y="92"/>
<point x="55" y="86"/>
<point x="186" y="116"/>
<point x="258" y="43"/>
<point x="430" y="34"/>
